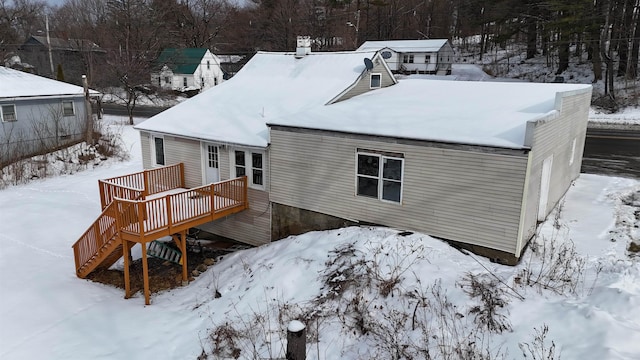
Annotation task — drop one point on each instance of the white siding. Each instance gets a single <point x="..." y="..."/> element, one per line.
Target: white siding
<point x="464" y="196"/>
<point x="554" y="136"/>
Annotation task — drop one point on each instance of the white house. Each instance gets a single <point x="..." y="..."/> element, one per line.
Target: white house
<point x="187" y="69"/>
<point x="414" y="56"/>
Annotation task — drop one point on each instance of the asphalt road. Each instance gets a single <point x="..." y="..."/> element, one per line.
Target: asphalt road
<point x="612" y="152"/>
<point x="606" y="151"/>
<point x="138" y="110"/>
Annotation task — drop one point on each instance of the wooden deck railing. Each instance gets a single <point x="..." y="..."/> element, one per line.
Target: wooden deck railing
<point x="98" y="234"/>
<point x="141" y="184"/>
<point x="128" y="215"/>
<point x="175" y="212"/>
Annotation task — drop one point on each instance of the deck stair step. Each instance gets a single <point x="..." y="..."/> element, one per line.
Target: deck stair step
<point x="162" y="251"/>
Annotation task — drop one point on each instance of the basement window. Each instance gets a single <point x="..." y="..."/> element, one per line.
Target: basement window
<point x="8" y="113"/>
<point x="376" y="81"/>
<point x="379" y="176"/>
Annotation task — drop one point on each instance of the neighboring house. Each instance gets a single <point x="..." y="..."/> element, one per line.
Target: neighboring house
<point x="76" y="57"/>
<point x="38" y="114"/>
<point x="414" y="56"/>
<point x="231" y="64"/>
<point x="187" y="69"/>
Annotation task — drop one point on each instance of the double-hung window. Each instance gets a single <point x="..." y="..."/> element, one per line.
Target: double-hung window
<point x="407" y="59"/>
<point x="8" y="113"/>
<point x="184" y="81"/>
<point x="379" y="175"/>
<point x="158" y="151"/>
<point x="67" y="108"/>
<point x="251" y="164"/>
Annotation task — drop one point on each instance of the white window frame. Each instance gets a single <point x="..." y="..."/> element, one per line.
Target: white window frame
<point x="379" y="75"/>
<point x="382" y="156"/>
<point x="184" y="81"/>
<point x="2" y="115"/>
<point x="408" y="59"/>
<point x="208" y="65"/>
<point x="73" y="108"/>
<point x="427" y="59"/>
<point x="154" y="158"/>
<point x="248" y="166"/>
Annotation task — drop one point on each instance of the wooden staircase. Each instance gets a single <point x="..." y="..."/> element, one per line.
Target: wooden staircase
<point x="129" y="217"/>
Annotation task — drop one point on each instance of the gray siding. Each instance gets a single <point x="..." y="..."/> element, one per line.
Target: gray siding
<point x="363" y="84"/>
<point x="40" y="126"/>
<point x="252" y="226"/>
<point x="465" y="196"/>
<point x="176" y="150"/>
<point x="445" y="58"/>
<point x="555" y="136"/>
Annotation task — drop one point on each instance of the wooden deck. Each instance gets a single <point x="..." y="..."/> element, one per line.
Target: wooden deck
<point x="146" y="206"/>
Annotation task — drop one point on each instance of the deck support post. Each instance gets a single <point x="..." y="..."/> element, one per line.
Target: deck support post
<point x="183" y="248"/>
<point x="145" y="273"/>
<point x="126" y="254"/>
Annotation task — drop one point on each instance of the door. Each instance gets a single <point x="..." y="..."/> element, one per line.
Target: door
<point x="212" y="164"/>
<point x="545" y="182"/>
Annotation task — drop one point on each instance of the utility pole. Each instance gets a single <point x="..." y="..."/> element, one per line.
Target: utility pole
<point x="88" y="111"/>
<point x="46" y="18"/>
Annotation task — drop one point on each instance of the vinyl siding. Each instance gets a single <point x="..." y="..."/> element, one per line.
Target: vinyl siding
<point x="363" y="84"/>
<point x="176" y="150"/>
<point x="465" y="196"/>
<point x="555" y="136"/>
<point x="252" y="226"/>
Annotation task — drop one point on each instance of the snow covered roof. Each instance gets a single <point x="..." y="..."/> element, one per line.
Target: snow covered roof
<point x="14" y="84"/>
<point x="479" y="113"/>
<point x="404" y="45"/>
<point x="270" y="85"/>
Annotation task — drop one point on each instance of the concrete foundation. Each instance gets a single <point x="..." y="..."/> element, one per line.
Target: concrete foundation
<point x="288" y="220"/>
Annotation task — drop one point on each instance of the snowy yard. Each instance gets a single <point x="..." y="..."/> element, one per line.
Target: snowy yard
<point x="46" y="312"/>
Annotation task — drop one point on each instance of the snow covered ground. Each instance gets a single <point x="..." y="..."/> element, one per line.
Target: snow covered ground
<point x="46" y="312"/>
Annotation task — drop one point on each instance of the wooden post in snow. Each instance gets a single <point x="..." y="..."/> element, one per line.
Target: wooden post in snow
<point x="87" y="109"/>
<point x="296" y="341"/>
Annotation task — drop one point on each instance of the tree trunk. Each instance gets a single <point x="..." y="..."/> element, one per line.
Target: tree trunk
<point x="626" y="33"/>
<point x="563" y="53"/>
<point x="635" y="48"/>
<point x="532" y="36"/>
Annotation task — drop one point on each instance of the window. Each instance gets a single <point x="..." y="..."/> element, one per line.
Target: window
<point x="241" y="166"/>
<point x="251" y="164"/>
<point x="256" y="164"/>
<point x="427" y="59"/>
<point x="166" y="80"/>
<point x="379" y="176"/>
<point x="376" y="80"/>
<point x="202" y="81"/>
<point x="208" y="65"/>
<point x="213" y="156"/>
<point x="8" y="113"/>
<point x="67" y="108"/>
<point x="215" y="81"/>
<point x="407" y="59"/>
<point x="184" y="82"/>
<point x="158" y="150"/>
